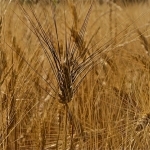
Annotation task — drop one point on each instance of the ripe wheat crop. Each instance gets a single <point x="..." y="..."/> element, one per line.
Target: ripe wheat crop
<point x="74" y="75"/>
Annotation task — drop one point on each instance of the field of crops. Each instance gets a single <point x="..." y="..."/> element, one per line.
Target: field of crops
<point x="74" y="75"/>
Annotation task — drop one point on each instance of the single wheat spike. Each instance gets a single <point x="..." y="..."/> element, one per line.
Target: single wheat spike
<point x="68" y="68"/>
<point x="65" y="80"/>
<point x="143" y="122"/>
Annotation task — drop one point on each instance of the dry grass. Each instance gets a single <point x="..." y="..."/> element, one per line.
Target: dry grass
<point x="74" y="76"/>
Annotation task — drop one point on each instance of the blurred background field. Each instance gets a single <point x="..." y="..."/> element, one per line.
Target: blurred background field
<point x="111" y="105"/>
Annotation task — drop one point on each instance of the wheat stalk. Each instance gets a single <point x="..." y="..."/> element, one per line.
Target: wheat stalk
<point x="67" y="68"/>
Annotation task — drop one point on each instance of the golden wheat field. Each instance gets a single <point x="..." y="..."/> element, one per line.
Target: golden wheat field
<point x="74" y="75"/>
